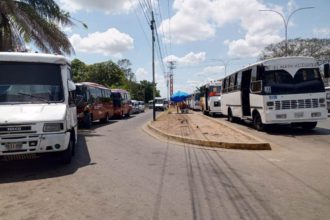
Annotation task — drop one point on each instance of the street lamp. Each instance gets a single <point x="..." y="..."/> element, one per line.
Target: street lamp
<point x="286" y="22"/>
<point x="225" y="63"/>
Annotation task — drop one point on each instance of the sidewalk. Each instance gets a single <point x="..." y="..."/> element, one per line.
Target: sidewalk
<point x="195" y="128"/>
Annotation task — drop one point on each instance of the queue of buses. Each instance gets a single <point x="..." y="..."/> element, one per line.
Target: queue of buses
<point x="97" y="102"/>
<point x="40" y="105"/>
<point x="288" y="90"/>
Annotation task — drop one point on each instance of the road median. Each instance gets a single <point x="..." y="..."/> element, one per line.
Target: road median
<point x="196" y="129"/>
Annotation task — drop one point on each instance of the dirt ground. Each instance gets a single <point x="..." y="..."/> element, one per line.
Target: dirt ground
<point x="195" y="125"/>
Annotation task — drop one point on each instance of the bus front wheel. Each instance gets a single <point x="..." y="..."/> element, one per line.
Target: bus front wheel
<point x="308" y="125"/>
<point x="69" y="152"/>
<point x="230" y="116"/>
<point x="257" y="122"/>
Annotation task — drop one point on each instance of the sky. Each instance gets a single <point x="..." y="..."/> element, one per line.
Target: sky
<point x="206" y="39"/>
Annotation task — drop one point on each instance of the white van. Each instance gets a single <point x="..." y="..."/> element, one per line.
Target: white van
<point x="161" y="104"/>
<point x="37" y="109"/>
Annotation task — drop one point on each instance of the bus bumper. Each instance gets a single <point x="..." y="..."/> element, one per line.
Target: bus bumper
<point x="300" y="115"/>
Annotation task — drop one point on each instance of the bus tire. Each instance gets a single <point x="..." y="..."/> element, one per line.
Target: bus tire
<point x="230" y="116"/>
<point x="105" y="119"/>
<point x="68" y="153"/>
<point x="257" y="122"/>
<point x="308" y="125"/>
<point x="88" y="120"/>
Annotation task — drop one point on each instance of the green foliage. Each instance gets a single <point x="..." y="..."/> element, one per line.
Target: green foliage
<point x="113" y="76"/>
<point x="317" y="48"/>
<point x="33" y="21"/>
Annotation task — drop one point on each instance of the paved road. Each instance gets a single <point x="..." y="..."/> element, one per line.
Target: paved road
<point x="120" y="172"/>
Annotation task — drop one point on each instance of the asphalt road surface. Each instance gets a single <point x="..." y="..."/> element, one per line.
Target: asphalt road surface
<point x="120" y="172"/>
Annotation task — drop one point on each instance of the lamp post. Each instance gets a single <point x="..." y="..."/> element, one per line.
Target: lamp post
<point x="286" y="22"/>
<point x="225" y="63"/>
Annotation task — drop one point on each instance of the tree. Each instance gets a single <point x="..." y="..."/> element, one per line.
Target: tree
<point x="148" y="90"/>
<point x="79" y="70"/>
<point x="34" y="21"/>
<point x="125" y="65"/>
<point x="317" y="48"/>
<point x="111" y="75"/>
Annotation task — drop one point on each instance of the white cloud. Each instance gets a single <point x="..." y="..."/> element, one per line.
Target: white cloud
<point x="211" y="71"/>
<point x="108" y="6"/>
<point x="322" y="32"/>
<point x="111" y="42"/>
<point x="189" y="59"/>
<point x="141" y="74"/>
<point x="196" y="20"/>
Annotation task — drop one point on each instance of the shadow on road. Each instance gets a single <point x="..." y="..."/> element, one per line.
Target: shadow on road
<point x="287" y="130"/>
<point x="44" y="167"/>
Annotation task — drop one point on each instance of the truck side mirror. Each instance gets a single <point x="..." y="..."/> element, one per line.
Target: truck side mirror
<point x="71" y="86"/>
<point x="326" y="71"/>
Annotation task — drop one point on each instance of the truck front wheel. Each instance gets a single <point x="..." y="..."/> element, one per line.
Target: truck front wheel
<point x="68" y="153"/>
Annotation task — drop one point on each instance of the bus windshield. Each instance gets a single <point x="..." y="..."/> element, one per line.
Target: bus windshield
<point x="281" y="82"/>
<point x="22" y="82"/>
<point x="214" y="90"/>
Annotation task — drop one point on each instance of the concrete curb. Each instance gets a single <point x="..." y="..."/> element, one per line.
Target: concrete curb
<point x="212" y="144"/>
<point x="228" y="124"/>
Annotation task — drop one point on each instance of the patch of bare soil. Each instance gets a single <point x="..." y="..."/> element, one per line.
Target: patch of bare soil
<point x="196" y="126"/>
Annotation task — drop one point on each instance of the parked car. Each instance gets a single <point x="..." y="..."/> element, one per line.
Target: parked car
<point x="135" y="107"/>
<point x="141" y="106"/>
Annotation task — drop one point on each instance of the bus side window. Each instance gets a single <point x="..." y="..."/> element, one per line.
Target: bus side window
<point x="256" y="83"/>
<point x="224" y="85"/>
<point x="227" y="84"/>
<point x="232" y="82"/>
<point x="238" y="80"/>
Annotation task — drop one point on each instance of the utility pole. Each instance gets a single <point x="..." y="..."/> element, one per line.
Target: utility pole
<point x="171" y="66"/>
<point x="152" y="26"/>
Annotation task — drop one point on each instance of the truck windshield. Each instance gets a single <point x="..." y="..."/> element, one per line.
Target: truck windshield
<point x="159" y="101"/>
<point x="281" y="82"/>
<point x="23" y="82"/>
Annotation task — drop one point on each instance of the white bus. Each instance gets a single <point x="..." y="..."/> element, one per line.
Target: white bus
<point x="286" y="90"/>
<point x="37" y="105"/>
<point x="194" y="102"/>
<point x="210" y="101"/>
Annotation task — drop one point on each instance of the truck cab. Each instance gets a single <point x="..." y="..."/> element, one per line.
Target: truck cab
<point x="37" y="105"/>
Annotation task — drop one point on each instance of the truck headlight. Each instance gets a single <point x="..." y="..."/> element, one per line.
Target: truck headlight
<point x="53" y="127"/>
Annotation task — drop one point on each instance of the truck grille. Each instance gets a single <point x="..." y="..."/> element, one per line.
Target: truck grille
<point x="8" y="129"/>
<point x="297" y="104"/>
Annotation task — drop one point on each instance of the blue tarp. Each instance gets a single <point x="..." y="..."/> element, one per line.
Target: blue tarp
<point x="179" y="96"/>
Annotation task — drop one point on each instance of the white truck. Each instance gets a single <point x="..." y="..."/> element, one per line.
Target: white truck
<point x="161" y="104"/>
<point x="37" y="106"/>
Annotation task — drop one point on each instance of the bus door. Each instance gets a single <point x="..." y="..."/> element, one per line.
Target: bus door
<point x="207" y="90"/>
<point x="245" y="95"/>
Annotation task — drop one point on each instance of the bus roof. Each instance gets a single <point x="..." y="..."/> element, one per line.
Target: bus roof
<point x="119" y="90"/>
<point x="33" y="57"/>
<point x="292" y="62"/>
<point x="91" y="84"/>
<point x="281" y="61"/>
